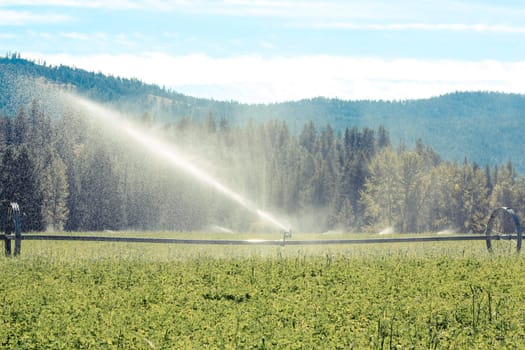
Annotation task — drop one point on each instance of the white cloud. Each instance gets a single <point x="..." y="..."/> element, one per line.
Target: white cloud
<point x="122" y="4"/>
<point x="75" y="36"/>
<point x="266" y="44"/>
<point x="256" y="79"/>
<point x="480" y="27"/>
<point x="20" y="18"/>
<point x="234" y="7"/>
<point x="331" y="13"/>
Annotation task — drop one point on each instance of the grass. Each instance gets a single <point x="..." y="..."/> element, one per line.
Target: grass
<point x="93" y="295"/>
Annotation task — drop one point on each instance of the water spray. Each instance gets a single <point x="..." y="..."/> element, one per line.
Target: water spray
<point x="497" y="222"/>
<point x="174" y="156"/>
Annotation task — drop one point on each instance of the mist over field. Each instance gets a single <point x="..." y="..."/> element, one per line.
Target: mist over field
<point x="125" y="157"/>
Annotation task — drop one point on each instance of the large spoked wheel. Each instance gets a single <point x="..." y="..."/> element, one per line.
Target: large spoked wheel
<point x="503" y="231"/>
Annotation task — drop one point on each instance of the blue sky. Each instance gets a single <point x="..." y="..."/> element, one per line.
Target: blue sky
<point x="269" y="50"/>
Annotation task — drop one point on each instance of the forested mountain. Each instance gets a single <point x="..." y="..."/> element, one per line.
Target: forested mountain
<point x="71" y="171"/>
<point x="485" y="127"/>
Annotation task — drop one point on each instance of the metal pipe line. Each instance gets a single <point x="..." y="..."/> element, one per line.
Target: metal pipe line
<point x="31" y="237"/>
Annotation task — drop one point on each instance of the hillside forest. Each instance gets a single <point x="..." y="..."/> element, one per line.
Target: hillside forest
<point x="485" y="126"/>
<point x="70" y="173"/>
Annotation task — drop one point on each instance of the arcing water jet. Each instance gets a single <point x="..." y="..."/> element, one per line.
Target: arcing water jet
<point x="170" y="154"/>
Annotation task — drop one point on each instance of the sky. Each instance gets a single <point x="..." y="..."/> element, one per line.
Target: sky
<point x="265" y="51"/>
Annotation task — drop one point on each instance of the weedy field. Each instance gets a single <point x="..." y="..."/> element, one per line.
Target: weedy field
<point x="80" y="295"/>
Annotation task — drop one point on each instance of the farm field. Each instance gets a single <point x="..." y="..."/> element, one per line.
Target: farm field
<point x="86" y="295"/>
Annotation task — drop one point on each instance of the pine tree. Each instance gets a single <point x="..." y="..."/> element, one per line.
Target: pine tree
<point x="8" y="176"/>
<point x="101" y="200"/>
<point x="504" y="192"/>
<point x="71" y="148"/>
<point x="21" y="128"/>
<point x="39" y="129"/>
<point x="20" y="184"/>
<point x="308" y="138"/>
<point x="488" y="178"/>
<point x="54" y="186"/>
<point x="383" y="140"/>
<point x="5" y="133"/>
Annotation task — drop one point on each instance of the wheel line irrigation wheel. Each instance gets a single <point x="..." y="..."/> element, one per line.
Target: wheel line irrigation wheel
<point x="501" y="221"/>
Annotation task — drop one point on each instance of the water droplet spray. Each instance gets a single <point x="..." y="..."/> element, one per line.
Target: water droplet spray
<point x="170" y="154"/>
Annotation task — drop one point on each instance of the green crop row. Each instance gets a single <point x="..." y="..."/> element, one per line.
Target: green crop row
<point x="117" y="296"/>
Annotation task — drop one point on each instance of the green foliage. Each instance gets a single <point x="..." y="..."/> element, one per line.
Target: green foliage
<point x="411" y="192"/>
<point x="418" y="298"/>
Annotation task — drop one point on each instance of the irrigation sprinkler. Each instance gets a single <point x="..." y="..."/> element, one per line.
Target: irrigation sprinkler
<point x="503" y="231"/>
<point x="286" y="234"/>
<point x="502" y="222"/>
<point x="12" y="224"/>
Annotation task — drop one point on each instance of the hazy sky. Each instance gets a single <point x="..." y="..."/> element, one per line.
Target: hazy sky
<point x="267" y="50"/>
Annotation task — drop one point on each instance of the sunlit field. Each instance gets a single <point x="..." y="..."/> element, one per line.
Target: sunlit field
<point x="92" y="295"/>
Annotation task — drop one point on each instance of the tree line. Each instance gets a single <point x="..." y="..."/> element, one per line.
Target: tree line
<point x="489" y="124"/>
<point x="70" y="173"/>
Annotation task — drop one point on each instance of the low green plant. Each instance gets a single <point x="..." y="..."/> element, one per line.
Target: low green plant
<point x="66" y="295"/>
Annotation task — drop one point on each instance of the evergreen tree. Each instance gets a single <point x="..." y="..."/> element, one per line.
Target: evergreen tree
<point x="71" y="149"/>
<point x="8" y="176"/>
<point x="20" y="184"/>
<point x="39" y="129"/>
<point x="504" y="192"/>
<point x="308" y="138"/>
<point x="488" y="178"/>
<point x="21" y="128"/>
<point x="383" y="140"/>
<point x="74" y="204"/>
<point x="55" y="192"/>
<point x="5" y="133"/>
<point x="101" y="199"/>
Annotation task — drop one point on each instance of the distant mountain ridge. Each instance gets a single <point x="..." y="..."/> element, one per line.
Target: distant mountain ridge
<point x="486" y="127"/>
